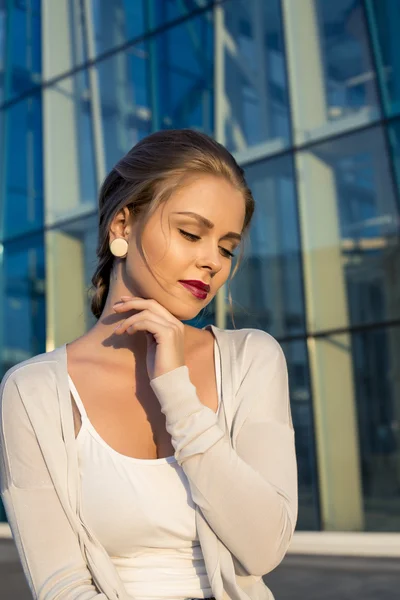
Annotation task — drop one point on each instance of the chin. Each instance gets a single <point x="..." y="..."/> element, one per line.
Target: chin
<point x="185" y="315"/>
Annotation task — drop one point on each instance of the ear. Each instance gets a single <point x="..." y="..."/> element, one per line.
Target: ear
<point x="121" y="224"/>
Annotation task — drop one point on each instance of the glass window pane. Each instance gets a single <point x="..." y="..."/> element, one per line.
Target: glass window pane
<point x="180" y="71"/>
<point x="350" y="230"/>
<point x="21" y="184"/>
<point x="88" y="30"/>
<point x="331" y="72"/>
<point x="394" y="139"/>
<point x="126" y="116"/>
<point x="376" y="356"/>
<point x="163" y="83"/>
<point x="116" y="23"/>
<point x="253" y="101"/>
<point x="384" y="22"/>
<point x="71" y="167"/>
<point x="267" y="289"/>
<point x="361" y="474"/>
<point x="302" y="415"/>
<point x="3" y="30"/>
<point x="22" y="288"/>
<point x="20" y="48"/>
<point x="70" y="264"/>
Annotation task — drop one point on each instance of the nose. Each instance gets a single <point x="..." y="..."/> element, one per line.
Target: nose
<point x="210" y="258"/>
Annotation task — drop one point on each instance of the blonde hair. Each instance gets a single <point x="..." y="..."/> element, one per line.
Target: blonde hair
<point x="146" y="177"/>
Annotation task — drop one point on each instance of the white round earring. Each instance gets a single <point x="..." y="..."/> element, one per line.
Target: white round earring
<point x="119" y="247"/>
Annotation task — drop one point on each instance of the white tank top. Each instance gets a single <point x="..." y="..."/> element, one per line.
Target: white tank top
<point x="142" y="512"/>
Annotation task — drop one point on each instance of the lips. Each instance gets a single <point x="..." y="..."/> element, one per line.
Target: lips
<point x="197" y="284"/>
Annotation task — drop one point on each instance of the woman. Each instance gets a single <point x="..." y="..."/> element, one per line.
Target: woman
<point x="149" y="459"/>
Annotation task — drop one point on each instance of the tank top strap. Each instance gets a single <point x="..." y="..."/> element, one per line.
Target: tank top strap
<point x="77" y="398"/>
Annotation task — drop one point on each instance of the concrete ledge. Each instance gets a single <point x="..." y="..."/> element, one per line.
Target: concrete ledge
<point x="348" y="543"/>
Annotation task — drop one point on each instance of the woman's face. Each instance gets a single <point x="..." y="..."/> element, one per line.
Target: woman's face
<point x="181" y="247"/>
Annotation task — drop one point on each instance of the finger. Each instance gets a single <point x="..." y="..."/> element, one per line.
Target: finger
<point x="144" y="314"/>
<point x="135" y="303"/>
<point x="157" y="328"/>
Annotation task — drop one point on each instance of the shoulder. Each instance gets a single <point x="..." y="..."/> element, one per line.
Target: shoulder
<point x="33" y="369"/>
<point x="250" y="343"/>
<point x="256" y="353"/>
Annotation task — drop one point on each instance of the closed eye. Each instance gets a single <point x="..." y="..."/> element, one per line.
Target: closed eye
<point x="194" y="238"/>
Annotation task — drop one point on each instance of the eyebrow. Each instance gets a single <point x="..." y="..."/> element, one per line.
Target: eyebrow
<point x="209" y="224"/>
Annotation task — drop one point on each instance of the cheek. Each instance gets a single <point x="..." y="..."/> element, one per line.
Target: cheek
<point x="155" y="244"/>
<point x="164" y="254"/>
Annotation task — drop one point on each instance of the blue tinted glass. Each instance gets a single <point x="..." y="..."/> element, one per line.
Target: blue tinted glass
<point x="180" y="69"/>
<point x="384" y="23"/>
<point x="346" y="56"/>
<point x="376" y="368"/>
<point x="302" y="414"/>
<point x="351" y="177"/>
<point x="116" y="23"/>
<point x="23" y="306"/>
<point x="20" y="31"/>
<point x="165" y="11"/>
<point x="21" y="198"/>
<point x="253" y="96"/>
<point x="331" y="68"/>
<point x="394" y="137"/>
<point x="267" y="289"/>
<point x="165" y="82"/>
<point x="3" y="29"/>
<point x="125" y="103"/>
<point x="84" y="132"/>
<point x="70" y="147"/>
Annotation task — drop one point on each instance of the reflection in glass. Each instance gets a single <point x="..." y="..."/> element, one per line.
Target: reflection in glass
<point x="394" y="140"/>
<point x="331" y="71"/>
<point x="20" y="48"/>
<point x="384" y="23"/>
<point x="180" y="71"/>
<point x="351" y="231"/>
<point x="21" y="185"/>
<point x="301" y="408"/>
<point x="70" y="264"/>
<point x="70" y="148"/>
<point x="267" y="289"/>
<point x="162" y="83"/>
<point x="254" y="97"/>
<point x="126" y="115"/>
<point x="23" y="304"/>
<point x="116" y="23"/>
<point x="376" y="356"/>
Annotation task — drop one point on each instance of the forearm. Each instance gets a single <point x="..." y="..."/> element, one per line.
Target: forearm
<point x="253" y="517"/>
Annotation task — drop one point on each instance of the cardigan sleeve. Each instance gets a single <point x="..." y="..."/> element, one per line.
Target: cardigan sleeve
<point x="48" y="548"/>
<point x="247" y="494"/>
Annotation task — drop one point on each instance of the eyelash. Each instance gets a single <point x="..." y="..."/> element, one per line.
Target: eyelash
<point x="193" y="238"/>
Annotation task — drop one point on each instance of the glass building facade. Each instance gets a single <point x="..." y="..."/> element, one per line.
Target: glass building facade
<point x="306" y="95"/>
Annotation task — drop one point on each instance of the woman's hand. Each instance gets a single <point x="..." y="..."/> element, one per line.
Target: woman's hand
<point x="164" y="333"/>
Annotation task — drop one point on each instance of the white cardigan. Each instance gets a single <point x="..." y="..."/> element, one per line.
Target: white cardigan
<point x="242" y="472"/>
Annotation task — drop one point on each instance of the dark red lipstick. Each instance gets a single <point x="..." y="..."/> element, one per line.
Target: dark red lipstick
<point x="197" y="287"/>
<point x="196" y="283"/>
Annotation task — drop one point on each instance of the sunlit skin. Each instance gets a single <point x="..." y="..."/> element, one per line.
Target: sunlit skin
<point x="172" y="256"/>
